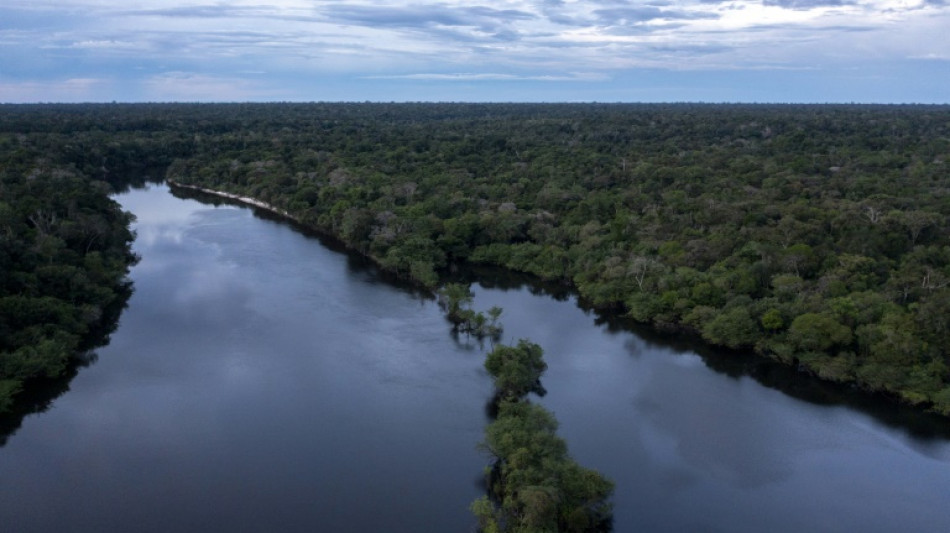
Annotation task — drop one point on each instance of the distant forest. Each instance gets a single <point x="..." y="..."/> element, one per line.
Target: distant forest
<point x="815" y="235"/>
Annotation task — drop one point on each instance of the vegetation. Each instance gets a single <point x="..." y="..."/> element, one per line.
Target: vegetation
<point x="534" y="485"/>
<point x="456" y="300"/>
<point x="516" y="370"/>
<point x="814" y="235"/>
<point x="64" y="256"/>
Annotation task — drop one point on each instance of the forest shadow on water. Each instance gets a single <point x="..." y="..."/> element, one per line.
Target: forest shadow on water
<point x="735" y="364"/>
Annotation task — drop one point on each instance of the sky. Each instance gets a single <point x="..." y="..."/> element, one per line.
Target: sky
<point x="863" y="51"/>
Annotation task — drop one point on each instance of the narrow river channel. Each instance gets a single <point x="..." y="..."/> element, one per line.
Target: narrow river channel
<point x="261" y="381"/>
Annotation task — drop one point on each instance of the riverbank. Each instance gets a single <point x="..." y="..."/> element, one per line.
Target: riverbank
<point x="236" y="197"/>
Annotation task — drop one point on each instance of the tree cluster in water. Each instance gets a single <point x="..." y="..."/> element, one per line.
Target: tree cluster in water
<point x="534" y="485"/>
<point x="456" y="300"/>
<point x="815" y="235"/>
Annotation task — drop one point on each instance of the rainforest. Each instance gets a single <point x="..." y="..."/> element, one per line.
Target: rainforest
<point x="812" y="235"/>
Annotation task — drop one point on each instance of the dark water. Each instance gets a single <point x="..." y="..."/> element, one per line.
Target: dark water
<point x="261" y="382"/>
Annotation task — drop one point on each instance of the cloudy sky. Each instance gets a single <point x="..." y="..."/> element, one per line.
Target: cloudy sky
<point x="505" y="50"/>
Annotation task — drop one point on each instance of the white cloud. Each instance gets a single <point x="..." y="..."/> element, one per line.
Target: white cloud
<point x="192" y="87"/>
<point x="106" y="45"/>
<point x="427" y="40"/>
<point x="69" y="90"/>
<point x="491" y="76"/>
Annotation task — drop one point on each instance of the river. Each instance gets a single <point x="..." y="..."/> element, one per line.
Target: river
<point x="262" y="381"/>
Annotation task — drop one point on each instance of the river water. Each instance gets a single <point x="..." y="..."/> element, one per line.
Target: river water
<point x="261" y="381"/>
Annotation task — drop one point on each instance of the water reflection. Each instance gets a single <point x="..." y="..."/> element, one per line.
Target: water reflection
<point x="258" y="382"/>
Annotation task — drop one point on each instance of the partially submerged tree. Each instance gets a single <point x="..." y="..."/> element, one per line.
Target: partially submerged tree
<point x="456" y="300"/>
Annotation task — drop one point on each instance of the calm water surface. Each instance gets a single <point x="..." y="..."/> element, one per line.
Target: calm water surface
<point x="261" y="382"/>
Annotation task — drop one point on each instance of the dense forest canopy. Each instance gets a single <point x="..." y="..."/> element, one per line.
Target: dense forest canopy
<point x="813" y="234"/>
<point x="64" y="256"/>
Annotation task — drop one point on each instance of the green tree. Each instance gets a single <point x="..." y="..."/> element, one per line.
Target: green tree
<point x="733" y="328"/>
<point x="772" y="320"/>
<point x="818" y="332"/>
<point x="516" y="370"/>
<point x="454" y="298"/>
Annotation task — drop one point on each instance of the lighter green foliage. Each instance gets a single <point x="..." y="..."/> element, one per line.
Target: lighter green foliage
<point x="818" y="332"/>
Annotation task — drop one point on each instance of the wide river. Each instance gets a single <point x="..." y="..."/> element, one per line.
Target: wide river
<point x="262" y="382"/>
